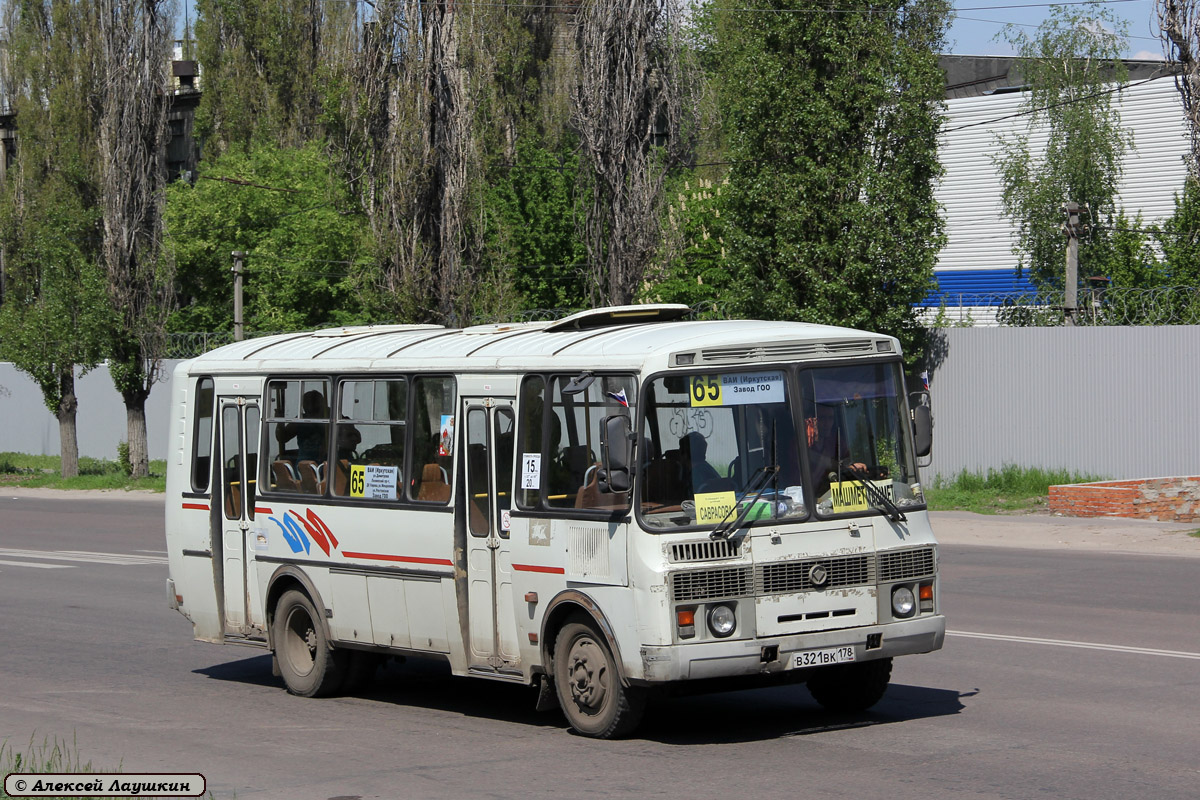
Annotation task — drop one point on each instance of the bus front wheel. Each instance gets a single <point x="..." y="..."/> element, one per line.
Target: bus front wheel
<point x="308" y="666"/>
<point x="589" y="688"/>
<point x="851" y="687"/>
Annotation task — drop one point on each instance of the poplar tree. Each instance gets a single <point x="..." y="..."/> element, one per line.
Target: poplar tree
<point x="832" y="117"/>
<point x="55" y="316"/>
<point x="133" y="56"/>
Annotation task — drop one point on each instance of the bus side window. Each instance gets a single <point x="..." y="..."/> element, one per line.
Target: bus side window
<point x="369" y="432"/>
<point x="533" y="403"/>
<point x="202" y="435"/>
<point x="297" y="440"/>
<point x="433" y="439"/>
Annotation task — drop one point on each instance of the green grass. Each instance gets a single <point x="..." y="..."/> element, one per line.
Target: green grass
<point x="1009" y="489"/>
<point x="22" y="469"/>
<point x="50" y="756"/>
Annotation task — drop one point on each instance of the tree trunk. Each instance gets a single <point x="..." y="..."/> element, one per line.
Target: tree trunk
<point x="135" y="430"/>
<point x="68" y="404"/>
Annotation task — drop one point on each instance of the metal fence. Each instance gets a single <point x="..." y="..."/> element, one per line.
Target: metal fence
<point x="1164" y="305"/>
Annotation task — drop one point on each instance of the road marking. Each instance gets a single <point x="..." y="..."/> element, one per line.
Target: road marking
<point x="35" y="565"/>
<point x="1112" y="648"/>
<point x="85" y="556"/>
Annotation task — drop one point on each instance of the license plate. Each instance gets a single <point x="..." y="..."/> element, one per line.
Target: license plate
<point x="821" y="658"/>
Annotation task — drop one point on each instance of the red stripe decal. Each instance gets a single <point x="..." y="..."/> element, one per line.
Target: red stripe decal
<point x="261" y="510"/>
<point x="534" y="568"/>
<point x="445" y="562"/>
<point x="196" y="506"/>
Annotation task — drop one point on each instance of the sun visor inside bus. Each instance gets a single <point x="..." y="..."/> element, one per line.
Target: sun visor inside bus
<point x="837" y="384"/>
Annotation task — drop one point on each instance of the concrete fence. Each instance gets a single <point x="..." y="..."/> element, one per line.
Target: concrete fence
<point x="1112" y="402"/>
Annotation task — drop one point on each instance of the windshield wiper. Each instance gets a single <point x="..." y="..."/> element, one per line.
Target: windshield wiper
<point x="757" y="485"/>
<point x="881" y="501"/>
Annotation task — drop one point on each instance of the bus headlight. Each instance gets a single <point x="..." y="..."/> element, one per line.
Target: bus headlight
<point x="721" y="621"/>
<point x="903" y="601"/>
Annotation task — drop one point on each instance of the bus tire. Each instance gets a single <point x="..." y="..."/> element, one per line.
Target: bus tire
<point x="310" y="668"/>
<point x="589" y="687"/>
<point x="851" y="687"/>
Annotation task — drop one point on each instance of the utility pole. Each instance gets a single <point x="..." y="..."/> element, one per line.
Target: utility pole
<point x="1072" y="228"/>
<point x="239" y="332"/>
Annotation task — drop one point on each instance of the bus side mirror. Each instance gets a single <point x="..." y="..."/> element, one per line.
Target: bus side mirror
<point x="616" y="449"/>
<point x="922" y="424"/>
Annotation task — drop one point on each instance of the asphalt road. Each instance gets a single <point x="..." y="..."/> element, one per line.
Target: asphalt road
<point x="1068" y="673"/>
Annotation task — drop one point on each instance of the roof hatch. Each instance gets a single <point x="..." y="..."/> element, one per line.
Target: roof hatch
<point x="621" y="315"/>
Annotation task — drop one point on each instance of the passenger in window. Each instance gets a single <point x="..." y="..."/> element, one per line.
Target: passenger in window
<point x="694" y="449"/>
<point x="310" y="436"/>
<point x="348" y="439"/>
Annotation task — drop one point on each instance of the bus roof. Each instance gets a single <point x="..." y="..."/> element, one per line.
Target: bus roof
<point x="621" y="337"/>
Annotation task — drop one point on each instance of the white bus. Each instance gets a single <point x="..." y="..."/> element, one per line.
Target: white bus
<point x="614" y="503"/>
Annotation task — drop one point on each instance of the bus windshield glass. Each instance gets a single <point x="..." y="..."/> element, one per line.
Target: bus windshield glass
<point x="855" y="432"/>
<point x="707" y="437"/>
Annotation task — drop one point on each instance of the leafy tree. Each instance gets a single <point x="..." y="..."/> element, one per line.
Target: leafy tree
<point x="293" y="216"/>
<point x="54" y="321"/>
<point x="263" y="61"/>
<point x="1069" y="63"/>
<point x="698" y="271"/>
<point x="832" y="123"/>
<point x="531" y="211"/>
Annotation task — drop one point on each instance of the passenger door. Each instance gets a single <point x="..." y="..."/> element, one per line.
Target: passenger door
<point x="489" y="437"/>
<point x="239" y="421"/>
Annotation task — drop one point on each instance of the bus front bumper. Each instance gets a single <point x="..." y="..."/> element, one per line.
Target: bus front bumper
<point x="779" y="654"/>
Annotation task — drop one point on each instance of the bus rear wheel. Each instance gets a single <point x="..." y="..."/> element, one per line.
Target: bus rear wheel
<point x="589" y="688"/>
<point x="308" y="666"/>
<point x="851" y="687"/>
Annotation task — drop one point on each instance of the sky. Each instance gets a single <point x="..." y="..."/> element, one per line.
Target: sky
<point x="979" y="22"/>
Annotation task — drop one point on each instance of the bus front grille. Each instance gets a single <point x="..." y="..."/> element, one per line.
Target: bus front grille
<point x="785" y="577"/>
<point x="902" y="565"/>
<point x="710" y="584"/>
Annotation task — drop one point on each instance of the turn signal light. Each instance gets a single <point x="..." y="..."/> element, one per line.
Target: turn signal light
<point x="685" y="619"/>
<point x="925" y="593"/>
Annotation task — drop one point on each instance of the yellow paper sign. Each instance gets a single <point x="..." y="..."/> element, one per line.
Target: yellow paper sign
<point x="852" y="496"/>
<point x="705" y="390"/>
<point x="848" y="496"/>
<point x="712" y="507"/>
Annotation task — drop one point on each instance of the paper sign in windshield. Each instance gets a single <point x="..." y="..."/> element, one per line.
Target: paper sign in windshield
<point x="712" y="507"/>
<point x="374" y="481"/>
<point x="736" y="389"/>
<point x="852" y="496"/>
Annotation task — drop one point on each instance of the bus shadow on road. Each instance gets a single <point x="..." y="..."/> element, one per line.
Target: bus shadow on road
<point x="761" y="714"/>
<point x="726" y="717"/>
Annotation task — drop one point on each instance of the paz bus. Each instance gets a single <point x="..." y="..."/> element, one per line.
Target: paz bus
<point x="619" y="502"/>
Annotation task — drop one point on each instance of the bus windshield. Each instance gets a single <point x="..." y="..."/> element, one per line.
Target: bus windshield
<point x="856" y="433"/>
<point x="707" y="438"/>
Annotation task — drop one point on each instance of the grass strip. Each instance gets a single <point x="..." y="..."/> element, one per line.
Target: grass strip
<point x="36" y="471"/>
<point x="1010" y="489"/>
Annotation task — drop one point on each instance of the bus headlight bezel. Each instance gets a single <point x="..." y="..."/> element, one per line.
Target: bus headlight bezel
<point x="722" y="620"/>
<point x="904" y="602"/>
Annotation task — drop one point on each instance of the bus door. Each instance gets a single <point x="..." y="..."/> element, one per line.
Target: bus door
<point x="239" y="428"/>
<point x="489" y="441"/>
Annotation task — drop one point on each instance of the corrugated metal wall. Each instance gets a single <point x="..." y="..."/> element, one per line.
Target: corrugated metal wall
<point x="979" y="235"/>
<point x="1113" y="402"/>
